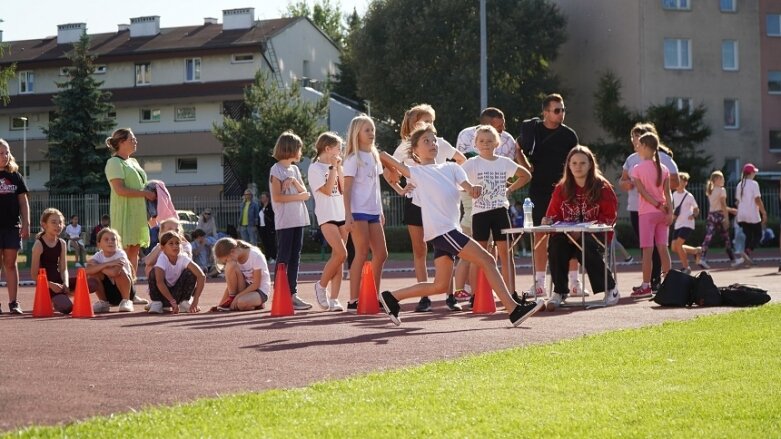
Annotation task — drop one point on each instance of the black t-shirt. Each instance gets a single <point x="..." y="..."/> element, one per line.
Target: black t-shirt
<point x="549" y="156"/>
<point x="11" y="185"/>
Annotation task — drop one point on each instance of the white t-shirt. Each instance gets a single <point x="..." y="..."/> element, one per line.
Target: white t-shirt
<point x="466" y="143"/>
<point x="327" y="207"/>
<point x="365" y="193"/>
<point x="713" y="199"/>
<point x="173" y="271"/>
<point x="633" y="198"/>
<point x="292" y="213"/>
<point x="73" y="232"/>
<point x="492" y="175"/>
<point x="748" y="212"/>
<point x="101" y="258"/>
<point x="687" y="209"/>
<point x="437" y="195"/>
<point x="256" y="261"/>
<point x="445" y="152"/>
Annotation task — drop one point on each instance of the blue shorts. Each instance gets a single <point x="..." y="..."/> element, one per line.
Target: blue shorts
<point x="366" y="217"/>
<point x="450" y="244"/>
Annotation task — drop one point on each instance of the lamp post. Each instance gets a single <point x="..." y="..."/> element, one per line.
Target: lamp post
<point x="24" y="149"/>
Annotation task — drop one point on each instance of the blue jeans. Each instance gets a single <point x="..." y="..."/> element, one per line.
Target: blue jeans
<point x="289" y="244"/>
<point x="248" y="234"/>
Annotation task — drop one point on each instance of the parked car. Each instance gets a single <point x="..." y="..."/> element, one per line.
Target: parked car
<point x="188" y="219"/>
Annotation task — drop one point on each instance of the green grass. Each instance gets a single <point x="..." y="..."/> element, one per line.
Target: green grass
<point x="717" y="376"/>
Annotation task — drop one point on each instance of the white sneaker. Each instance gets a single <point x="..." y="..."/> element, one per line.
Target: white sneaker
<point x="126" y="306"/>
<point x="612" y="296"/>
<point x="184" y="306"/>
<point x="554" y="302"/>
<point x="577" y="291"/>
<point x="321" y="294"/>
<point x="536" y="292"/>
<point x="300" y="305"/>
<point x="156" y="307"/>
<point x="334" y="305"/>
<point x="138" y="300"/>
<point x="101" y="306"/>
<point x="737" y="262"/>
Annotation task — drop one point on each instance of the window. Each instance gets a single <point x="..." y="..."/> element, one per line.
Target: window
<point x="729" y="55"/>
<point x="192" y="69"/>
<point x="775" y="139"/>
<point x="676" y="4"/>
<point x="144" y="74"/>
<point x="728" y="5"/>
<point x="65" y="71"/>
<point x="243" y="57"/>
<point x="26" y="82"/>
<point x="111" y="115"/>
<point x="17" y="123"/>
<point x="184" y="113"/>
<point x="150" y="115"/>
<point x="677" y="53"/>
<point x="731" y="114"/>
<point x="774" y="81"/>
<point x="681" y="103"/>
<point x="101" y="70"/>
<point x="187" y="164"/>
<point x="774" y="25"/>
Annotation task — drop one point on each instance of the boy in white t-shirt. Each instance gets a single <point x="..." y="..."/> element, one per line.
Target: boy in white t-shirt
<point x="685" y="211"/>
<point x="75" y="243"/>
<point x="175" y="281"/>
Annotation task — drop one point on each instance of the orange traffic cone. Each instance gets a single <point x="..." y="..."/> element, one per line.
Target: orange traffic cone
<point x="484" y="296"/>
<point x="82" y="306"/>
<point x="367" y="299"/>
<point x="282" y="303"/>
<point x="43" y="301"/>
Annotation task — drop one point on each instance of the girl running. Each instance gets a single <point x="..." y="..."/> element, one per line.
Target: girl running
<point x="751" y="215"/>
<point x="685" y="210"/>
<point x="50" y="253"/>
<point x="248" y="282"/>
<point x="718" y="218"/>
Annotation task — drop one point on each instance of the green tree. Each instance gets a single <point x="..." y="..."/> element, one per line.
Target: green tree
<point x="6" y="75"/>
<point x="269" y="110"/>
<point x="326" y="16"/>
<point x="413" y="51"/>
<point x="345" y="83"/>
<point x="77" y="153"/>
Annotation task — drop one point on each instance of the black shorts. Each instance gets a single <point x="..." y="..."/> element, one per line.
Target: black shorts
<point x="336" y="223"/>
<point x="412" y="214"/>
<point x="112" y="292"/>
<point x="490" y="223"/>
<point x="682" y="233"/>
<point x="10" y="239"/>
<point x="450" y="244"/>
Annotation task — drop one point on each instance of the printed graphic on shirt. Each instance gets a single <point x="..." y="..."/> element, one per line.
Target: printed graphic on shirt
<point x="7" y="186"/>
<point x="494" y="193"/>
<point x="579" y="210"/>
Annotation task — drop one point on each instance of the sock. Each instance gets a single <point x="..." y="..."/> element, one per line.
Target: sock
<point x="645" y="285"/>
<point x="573" y="278"/>
<point x="540" y="279"/>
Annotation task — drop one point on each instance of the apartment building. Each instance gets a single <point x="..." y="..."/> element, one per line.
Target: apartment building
<point x="770" y="66"/>
<point x="170" y="85"/>
<point x="690" y="52"/>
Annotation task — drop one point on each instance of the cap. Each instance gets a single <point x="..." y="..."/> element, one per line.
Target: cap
<point x="749" y="168"/>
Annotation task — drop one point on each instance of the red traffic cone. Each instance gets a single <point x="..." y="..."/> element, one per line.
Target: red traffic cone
<point x="43" y="301"/>
<point x="82" y="305"/>
<point x="367" y="299"/>
<point x="282" y="303"/>
<point x="484" y="296"/>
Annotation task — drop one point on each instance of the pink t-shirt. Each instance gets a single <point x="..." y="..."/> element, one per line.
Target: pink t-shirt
<point x="645" y="172"/>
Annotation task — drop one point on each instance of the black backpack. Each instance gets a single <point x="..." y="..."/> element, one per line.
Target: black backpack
<point x="743" y="295"/>
<point x="706" y="293"/>
<point x="677" y="290"/>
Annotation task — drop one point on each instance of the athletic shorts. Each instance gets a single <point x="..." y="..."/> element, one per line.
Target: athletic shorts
<point x="490" y="223"/>
<point x="412" y="214"/>
<point x="10" y="239"/>
<point x="653" y="229"/>
<point x="450" y="244"/>
<point x="371" y="219"/>
<point x="336" y="223"/>
<point x="113" y="295"/>
<point x="682" y="233"/>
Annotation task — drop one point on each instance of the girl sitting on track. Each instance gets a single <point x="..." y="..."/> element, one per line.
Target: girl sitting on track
<point x="246" y="275"/>
<point x="175" y="279"/>
<point x="110" y="273"/>
<point x="50" y="253"/>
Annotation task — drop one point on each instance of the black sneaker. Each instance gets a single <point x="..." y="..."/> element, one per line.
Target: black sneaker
<point x="452" y="303"/>
<point x="517" y="297"/>
<point x="352" y="306"/>
<point x="14" y="308"/>
<point x="391" y="306"/>
<point x="424" y="305"/>
<point x="525" y="310"/>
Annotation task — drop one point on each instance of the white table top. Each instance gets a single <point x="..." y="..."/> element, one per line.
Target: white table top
<point x="560" y="228"/>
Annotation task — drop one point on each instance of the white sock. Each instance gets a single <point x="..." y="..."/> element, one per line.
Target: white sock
<point x="573" y="278"/>
<point x="540" y="279"/>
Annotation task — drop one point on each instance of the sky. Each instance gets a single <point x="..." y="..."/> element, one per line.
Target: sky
<point x="22" y="23"/>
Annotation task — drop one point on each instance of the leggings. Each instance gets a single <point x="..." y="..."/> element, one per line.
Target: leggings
<point x="715" y="224"/>
<point x="753" y="232"/>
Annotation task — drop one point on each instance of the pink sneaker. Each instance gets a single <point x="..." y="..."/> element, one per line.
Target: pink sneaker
<point x="641" y="293"/>
<point x="462" y="295"/>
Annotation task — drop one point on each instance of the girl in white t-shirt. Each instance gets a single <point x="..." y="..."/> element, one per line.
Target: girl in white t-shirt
<point x="718" y="218"/>
<point x="175" y="281"/>
<point x="751" y="215"/>
<point x="362" y="204"/>
<point x="685" y="211"/>
<point x="109" y="274"/>
<point x="436" y="192"/>
<point x="326" y="179"/>
<point x="167" y="225"/>
<point x="246" y="275"/>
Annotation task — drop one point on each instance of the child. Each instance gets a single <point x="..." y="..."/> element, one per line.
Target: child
<point x="655" y="214"/>
<point x="110" y="272"/>
<point x="75" y="242"/>
<point x="291" y="216"/>
<point x="202" y="250"/>
<point x="50" y="254"/>
<point x="175" y="280"/>
<point x="326" y="178"/>
<point x="436" y="192"/>
<point x="685" y="210"/>
<point x="490" y="210"/>
<point x="14" y="223"/>
<point x="93" y="236"/>
<point x="363" y="205"/>
<point x="246" y="275"/>
<point x="166" y="225"/>
<point x="751" y="215"/>
<point x="718" y="218"/>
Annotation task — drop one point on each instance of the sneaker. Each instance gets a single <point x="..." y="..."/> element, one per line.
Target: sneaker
<point x="14" y="308"/>
<point x="525" y="310"/>
<point x="391" y="306"/>
<point x="101" y="306"/>
<point x="612" y="296"/>
<point x="517" y="298"/>
<point x="737" y="262"/>
<point x="535" y="293"/>
<point x="641" y="292"/>
<point x="452" y="303"/>
<point x="226" y="306"/>
<point x="334" y="305"/>
<point x="184" y="306"/>
<point x="423" y="306"/>
<point x="554" y="302"/>
<point x="138" y="300"/>
<point x="629" y="259"/>
<point x="352" y="306"/>
<point x="578" y="291"/>
<point x="703" y="263"/>
<point x="686" y="270"/>
<point x="321" y="294"/>
<point x="126" y="306"/>
<point x="156" y="307"/>
<point x="462" y="295"/>
<point x="299" y="304"/>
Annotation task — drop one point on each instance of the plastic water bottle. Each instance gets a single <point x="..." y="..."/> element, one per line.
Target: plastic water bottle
<point x="527" y="213"/>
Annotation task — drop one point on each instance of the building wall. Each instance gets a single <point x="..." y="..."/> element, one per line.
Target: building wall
<point x="303" y="42"/>
<point x="770" y="59"/>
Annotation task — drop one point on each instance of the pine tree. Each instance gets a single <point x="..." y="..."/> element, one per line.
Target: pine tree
<point x="77" y="153"/>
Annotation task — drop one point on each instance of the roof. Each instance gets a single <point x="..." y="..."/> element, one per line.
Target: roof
<point x="118" y="45"/>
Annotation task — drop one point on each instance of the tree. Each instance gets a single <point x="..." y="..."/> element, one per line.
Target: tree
<point x="269" y="110"/>
<point x="326" y="16"/>
<point x="345" y="82"/>
<point x="77" y="153"/>
<point x="413" y="51"/>
<point x="6" y="75"/>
